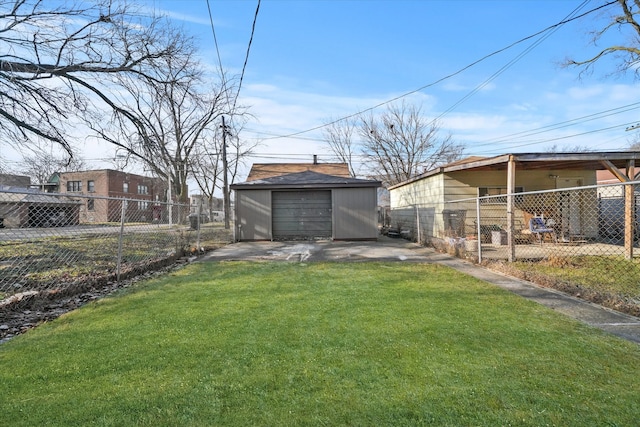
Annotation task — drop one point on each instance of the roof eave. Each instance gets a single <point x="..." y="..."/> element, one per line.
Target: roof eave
<point x="526" y="157"/>
<point x="242" y="186"/>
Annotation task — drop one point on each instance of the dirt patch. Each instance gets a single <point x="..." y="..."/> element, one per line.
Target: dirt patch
<point x="25" y="311"/>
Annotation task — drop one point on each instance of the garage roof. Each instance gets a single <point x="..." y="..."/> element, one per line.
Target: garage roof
<point x="306" y="179"/>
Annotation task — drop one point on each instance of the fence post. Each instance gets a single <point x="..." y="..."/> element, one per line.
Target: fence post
<point x="199" y="209"/>
<point x="418" y="224"/>
<point x="511" y="185"/>
<point x="479" y="230"/>
<point x="629" y="220"/>
<point x="120" y="238"/>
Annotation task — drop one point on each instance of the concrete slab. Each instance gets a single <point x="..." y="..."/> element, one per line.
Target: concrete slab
<point x="399" y="250"/>
<point x="322" y="250"/>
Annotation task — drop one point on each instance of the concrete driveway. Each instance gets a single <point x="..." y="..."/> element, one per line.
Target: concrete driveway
<point x="384" y="249"/>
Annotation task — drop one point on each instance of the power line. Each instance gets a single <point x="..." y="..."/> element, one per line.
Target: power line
<point x="215" y="41"/>
<point x="529" y="143"/>
<point x="246" y="58"/>
<point x="523" y="134"/>
<point x="509" y="64"/>
<point x="461" y="70"/>
<point x="537" y="131"/>
<point x="607" y="113"/>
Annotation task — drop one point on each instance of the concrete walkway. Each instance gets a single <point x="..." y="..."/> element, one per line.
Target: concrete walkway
<point x="399" y="250"/>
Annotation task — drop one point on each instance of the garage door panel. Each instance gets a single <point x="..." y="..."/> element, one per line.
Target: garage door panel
<point x="301" y="214"/>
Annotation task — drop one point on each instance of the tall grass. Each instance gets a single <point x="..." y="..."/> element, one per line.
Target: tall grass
<point x="317" y="344"/>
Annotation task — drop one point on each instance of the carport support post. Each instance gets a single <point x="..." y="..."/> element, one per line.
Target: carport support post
<point x="629" y="212"/>
<point x="511" y="186"/>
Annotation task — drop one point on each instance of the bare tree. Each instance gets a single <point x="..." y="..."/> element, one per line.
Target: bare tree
<point x="634" y="144"/>
<point x="402" y="144"/>
<point x="555" y="148"/>
<point x="207" y="164"/>
<point x="340" y="137"/>
<point x="161" y="122"/>
<point x="57" y="56"/>
<point x="40" y="166"/>
<point x="628" y="52"/>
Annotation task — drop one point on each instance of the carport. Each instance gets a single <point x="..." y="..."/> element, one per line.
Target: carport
<point x="306" y="206"/>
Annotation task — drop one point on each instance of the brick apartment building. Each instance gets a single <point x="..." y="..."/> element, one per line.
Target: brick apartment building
<point x="106" y="184"/>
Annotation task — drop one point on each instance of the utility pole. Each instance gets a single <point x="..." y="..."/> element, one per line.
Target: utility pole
<point x="225" y="182"/>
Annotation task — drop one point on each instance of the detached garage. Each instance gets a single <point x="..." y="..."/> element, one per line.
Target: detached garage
<point x="305" y="206"/>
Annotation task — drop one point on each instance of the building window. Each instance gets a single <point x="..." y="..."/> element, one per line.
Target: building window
<point x="498" y="191"/>
<point x="90" y="204"/>
<point x="91" y="186"/>
<point x="125" y="187"/>
<point x="143" y="189"/>
<point x="74" y="186"/>
<point x="143" y="205"/>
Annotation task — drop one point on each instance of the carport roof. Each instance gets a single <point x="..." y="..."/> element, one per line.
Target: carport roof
<point x="306" y="179"/>
<point x="532" y="161"/>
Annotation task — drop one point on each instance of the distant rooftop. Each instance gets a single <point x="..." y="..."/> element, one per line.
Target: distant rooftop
<point x="261" y="171"/>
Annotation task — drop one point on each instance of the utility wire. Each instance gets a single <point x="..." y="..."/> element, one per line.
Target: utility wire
<point x="509" y="64"/>
<point x="215" y="42"/>
<point x="246" y="58"/>
<point x="523" y="134"/>
<point x="528" y="143"/>
<point x="461" y="70"/>
<point x="561" y="125"/>
<point x="522" y="144"/>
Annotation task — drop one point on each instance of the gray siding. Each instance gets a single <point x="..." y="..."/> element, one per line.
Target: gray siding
<point x="253" y="213"/>
<point x="354" y="214"/>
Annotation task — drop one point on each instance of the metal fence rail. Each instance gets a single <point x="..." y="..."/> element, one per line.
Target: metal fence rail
<point x="565" y="231"/>
<point x="56" y="244"/>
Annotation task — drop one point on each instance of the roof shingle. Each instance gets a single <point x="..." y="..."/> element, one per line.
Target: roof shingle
<point x="261" y="171"/>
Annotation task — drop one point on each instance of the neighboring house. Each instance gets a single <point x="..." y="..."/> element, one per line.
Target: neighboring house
<point x="108" y="183"/>
<point x="21" y="206"/>
<point x="14" y="181"/>
<point x="31" y="208"/>
<point x="269" y="170"/>
<point x="477" y="176"/>
<point x="212" y="210"/>
<point x="302" y="201"/>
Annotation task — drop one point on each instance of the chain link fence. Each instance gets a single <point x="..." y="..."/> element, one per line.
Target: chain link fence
<point x="55" y="244"/>
<point x="584" y="240"/>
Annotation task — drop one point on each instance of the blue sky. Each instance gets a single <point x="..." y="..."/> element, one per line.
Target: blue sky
<point x="315" y="60"/>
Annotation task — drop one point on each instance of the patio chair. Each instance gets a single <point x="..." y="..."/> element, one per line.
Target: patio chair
<point x="539" y="229"/>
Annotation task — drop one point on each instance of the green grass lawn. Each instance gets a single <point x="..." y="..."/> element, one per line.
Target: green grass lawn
<point x="362" y="344"/>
